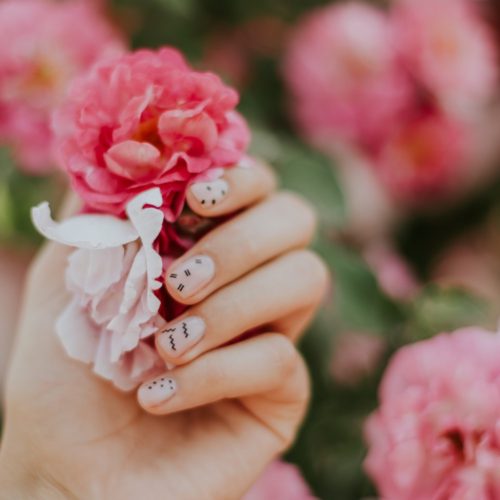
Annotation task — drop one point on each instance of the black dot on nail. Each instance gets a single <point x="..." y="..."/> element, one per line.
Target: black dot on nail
<point x="209" y="188"/>
<point x="154" y="383"/>
<point x="203" y="202"/>
<point x="223" y="193"/>
<point x="213" y="202"/>
<point x="150" y="387"/>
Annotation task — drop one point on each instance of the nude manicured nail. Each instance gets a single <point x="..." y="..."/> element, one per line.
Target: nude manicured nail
<point x="157" y="391"/>
<point x="210" y="193"/>
<point x="191" y="276"/>
<point x="178" y="338"/>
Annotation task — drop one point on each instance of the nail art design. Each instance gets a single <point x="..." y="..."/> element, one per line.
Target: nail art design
<point x="157" y="391"/>
<point x="192" y="275"/>
<point x="210" y="193"/>
<point x="180" y="337"/>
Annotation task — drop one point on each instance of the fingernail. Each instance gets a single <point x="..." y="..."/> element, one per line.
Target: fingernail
<point x="157" y="391"/>
<point x="191" y="276"/>
<point x="180" y="337"/>
<point x="210" y="193"/>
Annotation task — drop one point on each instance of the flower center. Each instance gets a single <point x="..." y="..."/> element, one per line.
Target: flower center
<point x="147" y="131"/>
<point x="456" y="440"/>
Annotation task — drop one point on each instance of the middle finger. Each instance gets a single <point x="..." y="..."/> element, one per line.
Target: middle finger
<point x="277" y="225"/>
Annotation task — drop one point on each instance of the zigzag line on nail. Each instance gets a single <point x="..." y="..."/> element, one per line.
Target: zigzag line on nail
<point x="184" y="328"/>
<point x="172" y="343"/>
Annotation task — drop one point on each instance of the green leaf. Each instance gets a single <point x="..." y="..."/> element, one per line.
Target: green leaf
<point x="182" y="8"/>
<point x="359" y="302"/>
<point x="441" y="309"/>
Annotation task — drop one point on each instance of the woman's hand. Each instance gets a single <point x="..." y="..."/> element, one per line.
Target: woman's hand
<point x="231" y="403"/>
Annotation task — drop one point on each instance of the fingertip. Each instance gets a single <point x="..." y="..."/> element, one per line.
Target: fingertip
<point x="153" y="394"/>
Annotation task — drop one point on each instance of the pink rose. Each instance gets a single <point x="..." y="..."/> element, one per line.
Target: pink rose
<point x="436" y="432"/>
<point x="280" y="481"/>
<point x="44" y="44"/>
<point x="343" y="74"/>
<point x="424" y="157"/>
<point x="449" y="49"/>
<point x="142" y="120"/>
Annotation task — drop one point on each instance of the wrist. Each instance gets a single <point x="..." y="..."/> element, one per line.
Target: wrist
<point x="18" y="482"/>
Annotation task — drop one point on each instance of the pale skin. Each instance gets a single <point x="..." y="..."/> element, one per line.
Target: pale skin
<point x="236" y="407"/>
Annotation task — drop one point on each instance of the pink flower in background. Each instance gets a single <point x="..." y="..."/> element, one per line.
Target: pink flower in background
<point x="280" y="481"/>
<point x="436" y="432"/>
<point x="343" y="75"/>
<point x="393" y="273"/>
<point x="449" y="49"/>
<point x="472" y="263"/>
<point x="44" y="44"/>
<point x="423" y="158"/>
<point x="147" y="119"/>
<point x="356" y="355"/>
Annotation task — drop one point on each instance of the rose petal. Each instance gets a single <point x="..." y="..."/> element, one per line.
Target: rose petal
<point x="133" y="160"/>
<point x="148" y="222"/>
<point x="90" y="231"/>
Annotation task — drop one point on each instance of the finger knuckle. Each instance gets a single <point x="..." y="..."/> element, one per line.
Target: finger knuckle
<point x="300" y="210"/>
<point x="284" y="354"/>
<point x="308" y="263"/>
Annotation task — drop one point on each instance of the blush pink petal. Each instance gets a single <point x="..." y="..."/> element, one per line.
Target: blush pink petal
<point x="133" y="160"/>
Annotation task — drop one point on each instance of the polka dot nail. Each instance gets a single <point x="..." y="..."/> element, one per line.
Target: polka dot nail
<point x="157" y="391"/>
<point x="212" y="193"/>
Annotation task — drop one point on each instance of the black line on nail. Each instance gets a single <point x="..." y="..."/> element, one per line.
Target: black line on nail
<point x="180" y="287"/>
<point x="187" y="272"/>
<point x="173" y="276"/>
<point x="198" y="261"/>
<point x="172" y="343"/>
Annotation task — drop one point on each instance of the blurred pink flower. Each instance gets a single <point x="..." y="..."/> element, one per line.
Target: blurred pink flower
<point x="472" y="263"/>
<point x="436" y="432"/>
<point x="423" y="158"/>
<point x="343" y="75"/>
<point x="147" y="119"/>
<point x="44" y="44"/>
<point x="280" y="481"/>
<point x="393" y="273"/>
<point x="355" y="356"/>
<point x="449" y="49"/>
